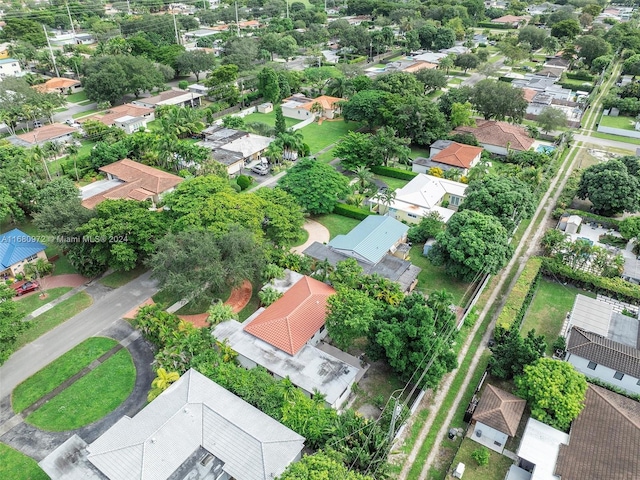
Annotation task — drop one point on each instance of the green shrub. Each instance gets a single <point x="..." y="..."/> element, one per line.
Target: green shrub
<point x="394" y="172"/>
<point x="221" y="312"/>
<point x="481" y="455"/>
<point x="244" y="181"/>
<point x="351" y="211"/>
<point x="611" y="287"/>
<point x="495" y="26"/>
<point x="520" y="297"/>
<point x="359" y="59"/>
<point x="580" y="75"/>
<point x="574" y="87"/>
<point x="268" y="296"/>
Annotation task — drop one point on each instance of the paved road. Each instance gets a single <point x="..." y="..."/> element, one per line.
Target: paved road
<point x="605" y="142"/>
<point x="99" y="316"/>
<point x="73" y="109"/>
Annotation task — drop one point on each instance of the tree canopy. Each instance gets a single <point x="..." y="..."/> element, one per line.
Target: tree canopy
<point x="554" y="390"/>
<point x="513" y="353"/>
<point x="610" y="188"/>
<point x="472" y="243"/>
<point x="316" y="186"/>
<point x="350" y="313"/>
<point x="498" y="100"/>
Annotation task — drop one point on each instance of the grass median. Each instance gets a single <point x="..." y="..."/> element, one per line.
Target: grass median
<point x="18" y="466"/>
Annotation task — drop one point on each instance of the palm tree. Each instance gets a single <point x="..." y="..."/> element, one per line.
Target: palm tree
<point x="72" y="151"/>
<point x="38" y="154"/>
<point x="364" y="176"/>
<point x="162" y="382"/>
<point x="274" y="153"/>
<point x="337" y="87"/>
<point x="292" y="143"/>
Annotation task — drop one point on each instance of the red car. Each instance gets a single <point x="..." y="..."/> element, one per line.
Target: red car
<point x="26" y="288"/>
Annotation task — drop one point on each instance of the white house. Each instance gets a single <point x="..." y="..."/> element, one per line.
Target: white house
<point x="131" y="124"/>
<point x="423" y="195"/>
<point x="300" y="107"/>
<point x="603" y="344"/>
<point x="496" y="418"/>
<point x="10" y="67"/>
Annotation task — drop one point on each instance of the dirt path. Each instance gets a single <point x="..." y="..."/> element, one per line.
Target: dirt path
<point x="240" y="296"/>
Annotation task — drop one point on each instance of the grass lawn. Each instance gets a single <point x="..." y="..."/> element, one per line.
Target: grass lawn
<point x="83" y="151"/>
<point x="578" y="83"/>
<point x="494" y="58"/>
<point x="201" y="306"/>
<point x="337" y="224"/>
<point x="551" y="303"/>
<point x="433" y="278"/>
<point x="77" y="97"/>
<point x="18" y="466"/>
<point x="86" y="113"/>
<point x="269" y="119"/>
<point x="495" y="470"/>
<point x="392" y="183"/>
<point x="59" y="110"/>
<point x="304" y="236"/>
<point x="54" y="317"/>
<point x="319" y="137"/>
<point x="86" y="102"/>
<point x="26" y="305"/>
<point x="61" y="369"/>
<point x="454" y="81"/>
<point x="327" y="156"/>
<point x="63" y="266"/>
<point x="617" y="138"/>
<point x="624" y="123"/>
<point x="117" y="279"/>
<point x="90" y="398"/>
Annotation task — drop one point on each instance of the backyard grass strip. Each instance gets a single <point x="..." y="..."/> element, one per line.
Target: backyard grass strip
<point x="15" y="465"/>
<point x="28" y="304"/>
<point x="61" y="369"/>
<point x="90" y="398"/>
<point x="118" y="279"/>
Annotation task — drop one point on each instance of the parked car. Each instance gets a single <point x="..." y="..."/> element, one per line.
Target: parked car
<point x="26" y="288"/>
<point x="260" y="169"/>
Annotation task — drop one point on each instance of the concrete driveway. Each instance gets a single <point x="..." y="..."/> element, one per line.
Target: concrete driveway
<point x="317" y="233"/>
<point x="104" y="312"/>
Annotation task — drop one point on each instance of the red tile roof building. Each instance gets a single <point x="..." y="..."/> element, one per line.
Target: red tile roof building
<point x="292" y="320"/>
<point x="500" y="134"/>
<point x="458" y="155"/>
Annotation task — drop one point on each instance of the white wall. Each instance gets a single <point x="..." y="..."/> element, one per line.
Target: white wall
<point x="628" y="382"/>
<point x="419" y="168"/>
<point x="494" y="149"/>
<point x="489" y="437"/>
<point x="298" y="113"/>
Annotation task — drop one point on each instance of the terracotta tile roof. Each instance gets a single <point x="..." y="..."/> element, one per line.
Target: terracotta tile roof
<point x="604" y="440"/>
<point x="596" y="348"/>
<point x="458" y="155"/>
<point x="120" y="111"/>
<point x="327" y="102"/>
<point x="45" y="133"/>
<point x="294" y="318"/>
<point x="500" y="410"/>
<point x="420" y="66"/>
<point x="500" y="134"/>
<point x="149" y="178"/>
<point x="529" y="93"/>
<point x="58" y="82"/>
<point x="507" y="19"/>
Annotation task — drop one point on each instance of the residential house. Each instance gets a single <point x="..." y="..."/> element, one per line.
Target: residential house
<point x="16" y="250"/>
<point x="199" y="88"/>
<point x="180" y="98"/>
<point x="557" y="62"/>
<point x="10" y="67"/>
<point x="550" y="72"/>
<point x="129" y="180"/>
<point x="417" y="66"/>
<point x="377" y="244"/>
<point x="603" y="443"/>
<point x="448" y="155"/>
<point x="128" y="117"/>
<point x="496" y="418"/>
<point x="285" y="338"/>
<point x="266" y="107"/>
<point x="54" y="132"/>
<point x="60" y="85"/>
<point x="603" y="343"/>
<point x="196" y="429"/>
<point x="234" y="148"/>
<point x="455" y="50"/>
<point x="195" y="35"/>
<point x="429" y="57"/>
<point x="511" y="20"/>
<point x="300" y="107"/>
<point x="499" y="137"/>
<point x="423" y="195"/>
<point x="538" y="452"/>
<point x="85" y="39"/>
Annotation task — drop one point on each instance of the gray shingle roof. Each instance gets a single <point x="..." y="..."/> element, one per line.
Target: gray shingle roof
<point x="601" y="350"/>
<point x="195" y="412"/>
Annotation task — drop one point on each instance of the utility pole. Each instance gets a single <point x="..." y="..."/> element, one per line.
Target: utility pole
<point x="73" y="29"/>
<point x="175" y="27"/>
<point x="53" y="58"/>
<point x="237" y="24"/>
<point x="128" y="8"/>
<point x="287" y="8"/>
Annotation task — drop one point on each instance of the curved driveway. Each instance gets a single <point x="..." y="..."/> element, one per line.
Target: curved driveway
<point x="317" y="233"/>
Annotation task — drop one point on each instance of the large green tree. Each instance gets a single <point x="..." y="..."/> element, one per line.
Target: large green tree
<point x="354" y="150"/>
<point x="610" y="188"/>
<point x="195" y="61"/>
<point x="592" y="47"/>
<point x="350" y="313"/>
<point x="368" y="106"/>
<point x="195" y="264"/>
<point x="512" y="353"/>
<point x="473" y="243"/>
<point x="316" y="186"/>
<point x="417" y="118"/>
<point x="11" y="324"/>
<point x="551" y="119"/>
<point x="566" y="29"/>
<point x="499" y="100"/>
<point x="506" y="198"/>
<point x="554" y="390"/>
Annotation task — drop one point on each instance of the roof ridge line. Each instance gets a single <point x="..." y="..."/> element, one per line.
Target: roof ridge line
<point x="622" y="412"/>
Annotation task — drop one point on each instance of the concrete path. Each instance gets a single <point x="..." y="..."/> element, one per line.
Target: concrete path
<point x="317" y="233"/>
<point x="102" y="314"/>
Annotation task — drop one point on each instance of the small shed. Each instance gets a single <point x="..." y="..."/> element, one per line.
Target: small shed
<point x="265" y="107"/>
<point x="428" y="245"/>
<point x="573" y="223"/>
<point x="496" y="418"/>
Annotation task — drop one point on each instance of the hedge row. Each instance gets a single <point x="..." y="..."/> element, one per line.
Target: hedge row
<point x="394" y="172"/>
<point x="519" y="299"/>
<point x="351" y="211"/>
<point x="606" y="222"/>
<point x="579" y="76"/>
<point x="575" y="88"/>
<point x="497" y="26"/>
<point x="611" y="287"/>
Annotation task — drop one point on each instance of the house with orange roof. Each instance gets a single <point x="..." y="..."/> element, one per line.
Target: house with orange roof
<point x="54" y="132"/>
<point x="499" y="137"/>
<point x="64" y="86"/>
<point x="511" y="20"/>
<point x="129" y="180"/>
<point x="128" y="117"/>
<point x="448" y="155"/>
<point x="302" y="108"/>
<point x="286" y="339"/>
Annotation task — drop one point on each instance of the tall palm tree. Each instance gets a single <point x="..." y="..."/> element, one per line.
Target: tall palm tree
<point x="292" y="143"/>
<point x="274" y="153"/>
<point x="72" y="151"/>
<point x="38" y="154"/>
<point x="387" y="197"/>
<point x="364" y="176"/>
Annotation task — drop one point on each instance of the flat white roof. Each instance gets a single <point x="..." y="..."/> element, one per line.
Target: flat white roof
<point x="591" y="314"/>
<point x="540" y="445"/>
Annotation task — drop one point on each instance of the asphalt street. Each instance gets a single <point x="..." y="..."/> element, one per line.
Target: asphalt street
<point x="104" y="312"/>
